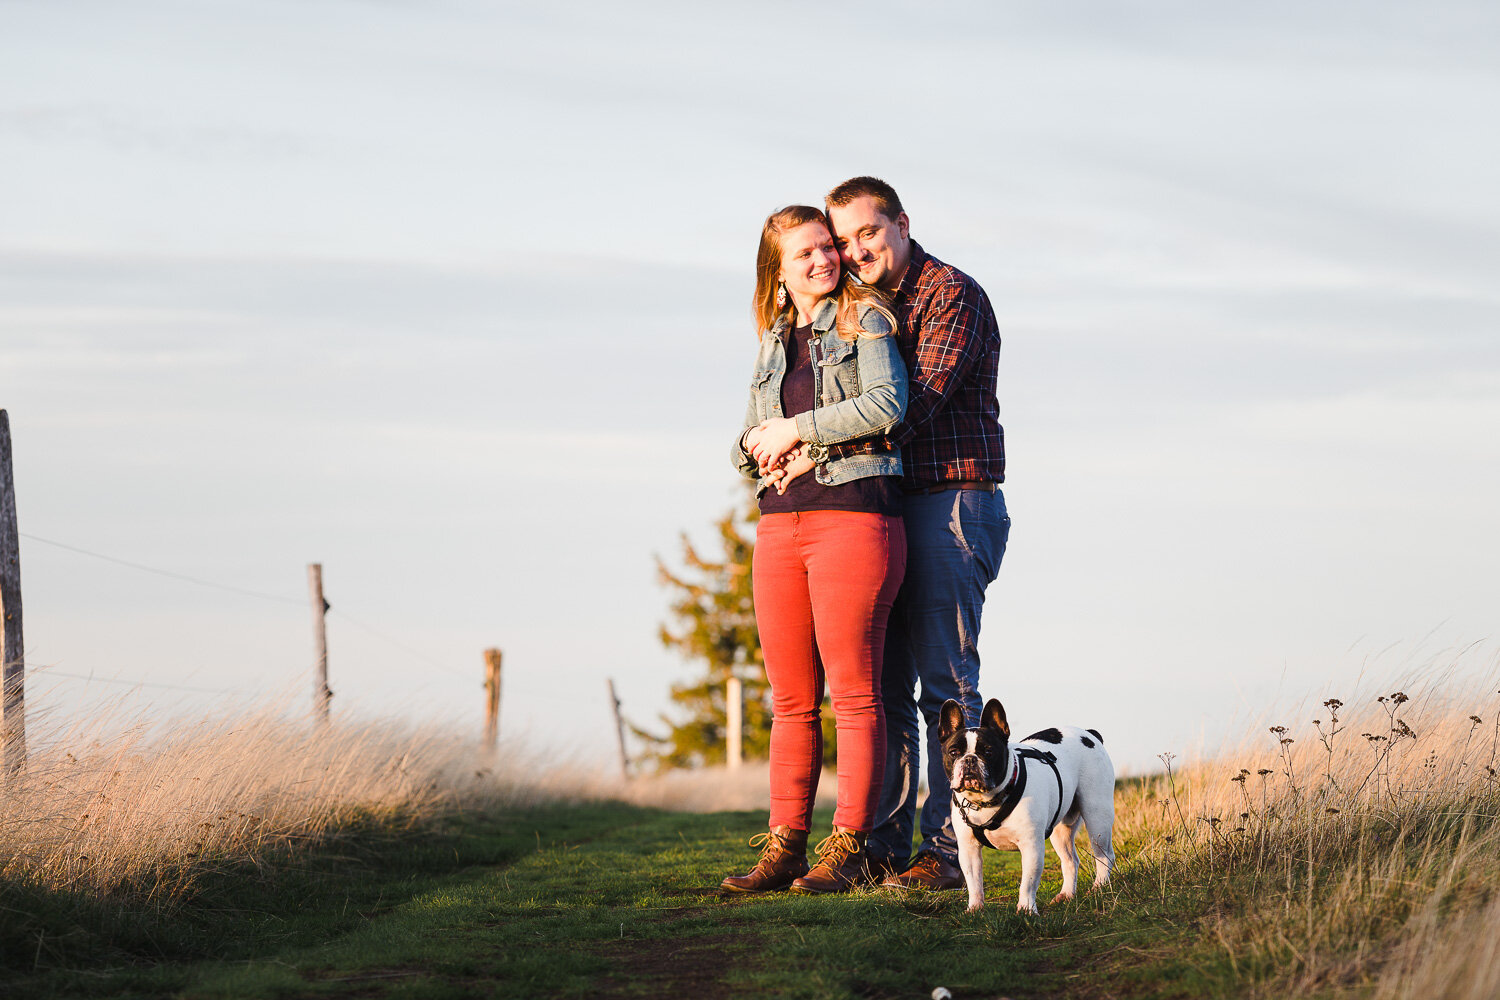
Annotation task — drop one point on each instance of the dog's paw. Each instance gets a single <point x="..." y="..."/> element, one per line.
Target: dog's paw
<point x="974" y="908"/>
<point x="1062" y="897"/>
<point x="1029" y="910"/>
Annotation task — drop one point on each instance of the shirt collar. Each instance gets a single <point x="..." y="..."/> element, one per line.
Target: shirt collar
<point x="913" y="273"/>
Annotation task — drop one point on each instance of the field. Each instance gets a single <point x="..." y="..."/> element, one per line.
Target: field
<point x="1354" y="856"/>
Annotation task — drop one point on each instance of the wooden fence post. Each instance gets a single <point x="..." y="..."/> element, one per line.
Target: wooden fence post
<point x="614" y="701"/>
<point x="321" y="693"/>
<point x="491" y="699"/>
<point x="12" y="646"/>
<point x="734" y="722"/>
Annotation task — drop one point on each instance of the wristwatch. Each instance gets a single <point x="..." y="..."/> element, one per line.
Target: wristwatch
<point x="817" y="452"/>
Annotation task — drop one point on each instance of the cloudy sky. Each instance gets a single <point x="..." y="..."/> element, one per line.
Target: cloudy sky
<point x="453" y="297"/>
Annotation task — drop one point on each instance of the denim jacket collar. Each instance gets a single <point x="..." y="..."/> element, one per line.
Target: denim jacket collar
<point x="825" y="313"/>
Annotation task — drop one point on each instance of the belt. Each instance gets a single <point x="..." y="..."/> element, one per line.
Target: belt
<point x="982" y="485"/>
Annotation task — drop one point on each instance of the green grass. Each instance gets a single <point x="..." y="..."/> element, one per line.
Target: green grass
<point x="609" y="900"/>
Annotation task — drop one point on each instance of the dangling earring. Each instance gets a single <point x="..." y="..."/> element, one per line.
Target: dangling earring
<point x="780" y="295"/>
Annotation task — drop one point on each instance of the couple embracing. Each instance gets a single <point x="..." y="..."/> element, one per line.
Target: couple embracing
<point x="873" y="430"/>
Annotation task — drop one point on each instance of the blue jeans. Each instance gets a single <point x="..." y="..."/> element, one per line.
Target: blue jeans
<point x="954" y="543"/>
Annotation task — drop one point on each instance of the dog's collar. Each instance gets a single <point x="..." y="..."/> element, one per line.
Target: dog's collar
<point x="1006" y="800"/>
<point x="1010" y="795"/>
<point x="1016" y="774"/>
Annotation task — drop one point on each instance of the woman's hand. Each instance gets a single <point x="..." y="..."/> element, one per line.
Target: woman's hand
<point x="795" y="465"/>
<point x="777" y="437"/>
<point x="749" y="440"/>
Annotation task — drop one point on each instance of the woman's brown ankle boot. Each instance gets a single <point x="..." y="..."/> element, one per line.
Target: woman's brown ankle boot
<point x="783" y="858"/>
<point x="841" y="864"/>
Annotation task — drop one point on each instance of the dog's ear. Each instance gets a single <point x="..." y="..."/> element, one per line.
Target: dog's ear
<point x="994" y="717"/>
<point x="952" y="720"/>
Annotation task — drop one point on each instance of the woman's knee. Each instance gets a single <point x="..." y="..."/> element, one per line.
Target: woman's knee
<point x="859" y="711"/>
<point x="796" y="714"/>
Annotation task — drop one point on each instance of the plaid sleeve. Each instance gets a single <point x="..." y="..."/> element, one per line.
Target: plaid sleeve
<point x="952" y="340"/>
<point x="878" y="445"/>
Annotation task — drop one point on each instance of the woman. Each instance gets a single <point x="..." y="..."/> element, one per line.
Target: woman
<point x="830" y="547"/>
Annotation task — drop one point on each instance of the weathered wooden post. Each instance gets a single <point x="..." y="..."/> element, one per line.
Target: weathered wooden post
<point x="491" y="699"/>
<point x="12" y="646"/>
<point x="734" y="721"/>
<point x="321" y="693"/>
<point x="614" y="701"/>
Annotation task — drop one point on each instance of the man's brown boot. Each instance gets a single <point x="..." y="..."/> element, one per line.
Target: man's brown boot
<point x="928" y="871"/>
<point x="841" y="865"/>
<point x="783" y="857"/>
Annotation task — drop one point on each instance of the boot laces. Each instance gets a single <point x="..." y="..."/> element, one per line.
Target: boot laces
<point x="835" y="849"/>
<point x="767" y="842"/>
<point x="772" y="847"/>
<point x="928" y="864"/>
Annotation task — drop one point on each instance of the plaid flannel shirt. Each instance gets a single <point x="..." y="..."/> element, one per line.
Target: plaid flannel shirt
<point x="950" y="342"/>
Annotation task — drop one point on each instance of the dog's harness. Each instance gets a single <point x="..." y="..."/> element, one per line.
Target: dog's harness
<point x="1011" y="795"/>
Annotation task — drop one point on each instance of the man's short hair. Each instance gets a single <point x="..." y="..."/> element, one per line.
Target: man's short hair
<point x="885" y="196"/>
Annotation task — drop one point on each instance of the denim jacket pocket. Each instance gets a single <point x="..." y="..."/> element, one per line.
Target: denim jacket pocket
<point x="838" y="375"/>
<point x="864" y="394"/>
<point x="838" y="352"/>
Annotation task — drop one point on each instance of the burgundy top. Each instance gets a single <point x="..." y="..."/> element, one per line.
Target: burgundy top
<point x="870" y="494"/>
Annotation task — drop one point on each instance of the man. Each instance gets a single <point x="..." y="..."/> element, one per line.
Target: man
<point x="953" y="455"/>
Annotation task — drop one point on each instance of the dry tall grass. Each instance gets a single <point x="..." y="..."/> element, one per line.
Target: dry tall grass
<point x="1358" y="849"/>
<point x="147" y="810"/>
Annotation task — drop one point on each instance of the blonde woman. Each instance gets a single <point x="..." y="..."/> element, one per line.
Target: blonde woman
<point x="830" y="546"/>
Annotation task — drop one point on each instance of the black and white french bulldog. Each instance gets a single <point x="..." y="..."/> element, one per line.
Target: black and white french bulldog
<point x="1013" y="796"/>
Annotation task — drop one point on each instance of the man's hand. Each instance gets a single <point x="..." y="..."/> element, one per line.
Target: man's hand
<point x="795" y="465"/>
<point x="777" y="437"/>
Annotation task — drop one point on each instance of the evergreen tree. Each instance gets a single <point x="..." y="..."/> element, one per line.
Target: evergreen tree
<point x="713" y="622"/>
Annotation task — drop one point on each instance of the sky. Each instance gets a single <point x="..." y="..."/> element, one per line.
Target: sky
<point x="453" y="298"/>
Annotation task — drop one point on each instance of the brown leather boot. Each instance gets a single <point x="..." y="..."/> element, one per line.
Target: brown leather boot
<point x="841" y="865"/>
<point x="783" y="857"/>
<point x="930" y="872"/>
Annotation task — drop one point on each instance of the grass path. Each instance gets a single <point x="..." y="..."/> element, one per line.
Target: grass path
<point x="606" y="901"/>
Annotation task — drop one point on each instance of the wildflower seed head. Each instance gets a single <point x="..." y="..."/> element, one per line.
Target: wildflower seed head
<point x="1278" y="730"/>
<point x="1399" y="697"/>
<point x="1263" y="771"/>
<point x="1333" y="704"/>
<point x="1476" y="720"/>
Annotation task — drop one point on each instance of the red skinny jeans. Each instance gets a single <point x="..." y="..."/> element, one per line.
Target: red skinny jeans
<point x="824" y="582"/>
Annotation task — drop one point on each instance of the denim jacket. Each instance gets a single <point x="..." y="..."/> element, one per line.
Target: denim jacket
<point x="860" y="386"/>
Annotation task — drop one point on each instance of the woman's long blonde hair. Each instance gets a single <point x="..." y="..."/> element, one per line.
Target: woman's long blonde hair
<point x="848" y="293"/>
